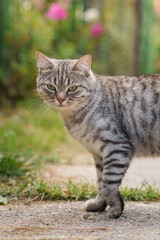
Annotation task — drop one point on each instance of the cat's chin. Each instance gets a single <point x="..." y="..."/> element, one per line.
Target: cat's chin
<point x="61" y="107"/>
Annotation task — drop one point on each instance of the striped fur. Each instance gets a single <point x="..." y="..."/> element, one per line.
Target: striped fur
<point x="115" y="118"/>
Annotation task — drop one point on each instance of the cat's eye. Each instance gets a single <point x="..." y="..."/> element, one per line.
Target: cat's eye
<point x="72" y="89"/>
<point x="51" y="87"/>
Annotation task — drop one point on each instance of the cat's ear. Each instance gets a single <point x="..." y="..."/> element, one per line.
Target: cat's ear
<point x="84" y="64"/>
<point x="42" y="60"/>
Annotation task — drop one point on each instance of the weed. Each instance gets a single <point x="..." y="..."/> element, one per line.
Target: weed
<point x="13" y="165"/>
<point x="32" y="187"/>
<point x="80" y="191"/>
<point x="143" y="193"/>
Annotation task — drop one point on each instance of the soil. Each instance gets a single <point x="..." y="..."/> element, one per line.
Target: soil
<point x="140" y="170"/>
<point x="59" y="220"/>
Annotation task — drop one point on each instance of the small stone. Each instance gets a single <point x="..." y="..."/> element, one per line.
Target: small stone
<point x="86" y="215"/>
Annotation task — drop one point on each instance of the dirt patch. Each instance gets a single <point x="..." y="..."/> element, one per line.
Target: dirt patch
<point x="77" y="173"/>
<point x="58" y="220"/>
<point x="140" y="170"/>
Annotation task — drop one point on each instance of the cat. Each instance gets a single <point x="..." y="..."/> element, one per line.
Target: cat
<point x="115" y="118"/>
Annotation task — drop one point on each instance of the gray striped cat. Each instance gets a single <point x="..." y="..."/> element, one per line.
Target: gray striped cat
<point x="115" y="118"/>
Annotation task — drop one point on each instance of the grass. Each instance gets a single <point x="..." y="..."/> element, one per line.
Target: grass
<point x="22" y="129"/>
<point x="27" y="130"/>
<point x="15" y="165"/>
<point x="32" y="188"/>
<point x="145" y="192"/>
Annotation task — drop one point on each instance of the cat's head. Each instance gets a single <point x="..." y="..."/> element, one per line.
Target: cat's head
<point x="64" y="84"/>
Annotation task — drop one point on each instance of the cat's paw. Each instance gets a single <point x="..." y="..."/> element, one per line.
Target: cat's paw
<point x="96" y="205"/>
<point x="116" y="204"/>
<point x="114" y="213"/>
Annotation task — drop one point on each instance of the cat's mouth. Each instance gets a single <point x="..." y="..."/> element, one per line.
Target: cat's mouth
<point x="61" y="106"/>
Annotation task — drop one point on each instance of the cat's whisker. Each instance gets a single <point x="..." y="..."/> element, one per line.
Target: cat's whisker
<point x="37" y="110"/>
<point x="45" y="112"/>
<point x="37" y="107"/>
<point x="36" y="100"/>
<point x="34" y="103"/>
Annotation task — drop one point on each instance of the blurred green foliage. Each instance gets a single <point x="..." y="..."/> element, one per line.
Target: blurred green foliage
<point x="31" y="134"/>
<point x="13" y="166"/>
<point x="25" y="29"/>
<point x="148" y="42"/>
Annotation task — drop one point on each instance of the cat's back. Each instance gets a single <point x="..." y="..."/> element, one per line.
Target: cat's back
<point x="139" y="91"/>
<point x="130" y="83"/>
<point x="138" y="99"/>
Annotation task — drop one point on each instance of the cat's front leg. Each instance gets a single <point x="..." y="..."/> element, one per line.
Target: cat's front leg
<point x="115" y="164"/>
<point x="99" y="203"/>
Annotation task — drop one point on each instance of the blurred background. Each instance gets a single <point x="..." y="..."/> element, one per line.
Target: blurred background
<point x="123" y="37"/>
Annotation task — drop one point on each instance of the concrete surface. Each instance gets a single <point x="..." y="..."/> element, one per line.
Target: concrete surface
<point x="140" y="170"/>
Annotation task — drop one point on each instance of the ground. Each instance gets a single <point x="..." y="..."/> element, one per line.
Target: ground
<point x="140" y="170"/>
<point x="59" y="220"/>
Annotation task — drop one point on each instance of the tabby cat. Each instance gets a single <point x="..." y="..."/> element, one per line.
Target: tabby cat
<point x="115" y="118"/>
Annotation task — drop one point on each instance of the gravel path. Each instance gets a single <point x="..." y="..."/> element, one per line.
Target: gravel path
<point x="58" y="220"/>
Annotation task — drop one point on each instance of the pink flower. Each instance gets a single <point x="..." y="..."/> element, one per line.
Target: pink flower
<point x="157" y="7"/>
<point x="96" y="29"/>
<point x="56" y="12"/>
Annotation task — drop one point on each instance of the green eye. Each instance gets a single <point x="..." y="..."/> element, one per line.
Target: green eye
<point x="72" y="89"/>
<point x="51" y="87"/>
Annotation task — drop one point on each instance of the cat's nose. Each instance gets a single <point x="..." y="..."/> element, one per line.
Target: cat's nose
<point x="60" y="100"/>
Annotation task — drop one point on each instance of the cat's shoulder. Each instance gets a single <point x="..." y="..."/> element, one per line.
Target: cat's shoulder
<point x="124" y="78"/>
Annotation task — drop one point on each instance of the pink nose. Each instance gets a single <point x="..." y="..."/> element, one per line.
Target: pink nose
<point x="60" y="100"/>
